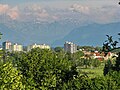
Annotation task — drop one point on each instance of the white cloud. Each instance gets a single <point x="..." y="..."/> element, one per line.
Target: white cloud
<point x="103" y="14"/>
<point x="36" y="10"/>
<point x="81" y="13"/>
<point x="3" y="8"/>
<point x="12" y="12"/>
<point x="80" y="8"/>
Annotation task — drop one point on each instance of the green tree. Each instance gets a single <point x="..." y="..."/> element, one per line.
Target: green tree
<point x="0" y="35"/>
<point x="45" y="69"/>
<point x="95" y="62"/>
<point x="10" y="78"/>
<point x="58" y="49"/>
<point x="117" y="64"/>
<point x="108" y="67"/>
<point x="86" y="83"/>
<point x="110" y="46"/>
<point x="115" y="77"/>
<point x="86" y="48"/>
<point x="76" y="56"/>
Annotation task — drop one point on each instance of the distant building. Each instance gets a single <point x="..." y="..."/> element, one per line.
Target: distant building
<point x="42" y="46"/>
<point x="6" y="45"/>
<point x="97" y="55"/>
<point x="1" y="47"/>
<point x="70" y="47"/>
<point x="16" y="47"/>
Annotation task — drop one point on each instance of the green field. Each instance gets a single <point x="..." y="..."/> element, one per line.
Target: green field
<point x="92" y="72"/>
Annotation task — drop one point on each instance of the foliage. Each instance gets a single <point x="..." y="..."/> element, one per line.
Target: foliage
<point x="0" y="35"/>
<point x="104" y="83"/>
<point x="86" y="48"/>
<point x="10" y="78"/>
<point x="112" y="70"/>
<point x="115" y="77"/>
<point x="42" y="69"/>
<point x="85" y="83"/>
<point x="108" y="46"/>
<point x="77" y="55"/>
<point x="95" y="62"/>
<point x="117" y="64"/>
<point x="58" y="49"/>
<point x="108" y="67"/>
<point x="46" y="69"/>
<point x="88" y="63"/>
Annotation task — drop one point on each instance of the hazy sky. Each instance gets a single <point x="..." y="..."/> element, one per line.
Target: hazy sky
<point x="62" y="3"/>
<point x="100" y="11"/>
<point x="68" y="14"/>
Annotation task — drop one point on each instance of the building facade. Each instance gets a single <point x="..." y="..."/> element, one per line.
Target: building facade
<point x="42" y="46"/>
<point x="6" y="45"/>
<point x="70" y="47"/>
<point x="16" y="47"/>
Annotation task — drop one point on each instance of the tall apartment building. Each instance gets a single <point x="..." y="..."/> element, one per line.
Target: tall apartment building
<point x="42" y="46"/>
<point x="70" y="47"/>
<point x="16" y="47"/>
<point x="6" y="45"/>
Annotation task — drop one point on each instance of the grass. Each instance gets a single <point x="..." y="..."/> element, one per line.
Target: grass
<point x="92" y="72"/>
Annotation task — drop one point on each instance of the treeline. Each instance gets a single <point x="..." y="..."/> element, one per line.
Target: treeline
<point x="90" y="48"/>
<point x="41" y="69"/>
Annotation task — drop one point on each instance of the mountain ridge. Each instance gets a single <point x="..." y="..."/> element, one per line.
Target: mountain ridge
<point x="92" y="34"/>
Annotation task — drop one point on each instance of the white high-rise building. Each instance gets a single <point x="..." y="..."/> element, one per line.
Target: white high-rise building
<point x="6" y="45"/>
<point x="70" y="47"/>
<point x="16" y="47"/>
<point x="42" y="46"/>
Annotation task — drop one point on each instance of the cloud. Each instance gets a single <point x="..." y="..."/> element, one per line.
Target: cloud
<point x="3" y="8"/>
<point x="55" y="17"/>
<point x="97" y="14"/>
<point x="36" y="10"/>
<point x="105" y="14"/>
<point x="13" y="13"/>
<point x="80" y="13"/>
<point x="80" y="8"/>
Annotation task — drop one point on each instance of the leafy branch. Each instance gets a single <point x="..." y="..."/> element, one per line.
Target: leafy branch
<point x="110" y="44"/>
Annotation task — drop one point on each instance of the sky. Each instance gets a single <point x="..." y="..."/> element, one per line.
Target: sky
<point x="69" y="13"/>
<point x="60" y="9"/>
<point x="61" y="3"/>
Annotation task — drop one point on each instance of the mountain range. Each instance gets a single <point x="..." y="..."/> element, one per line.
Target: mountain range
<point x="92" y="34"/>
<point x="56" y="33"/>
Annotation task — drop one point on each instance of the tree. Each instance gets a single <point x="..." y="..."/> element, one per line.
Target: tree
<point x="0" y="35"/>
<point x="45" y="69"/>
<point x="117" y="64"/>
<point x="86" y="48"/>
<point x="95" y="62"/>
<point x="58" y="49"/>
<point x="10" y="78"/>
<point x="109" y="46"/>
<point x="115" y="77"/>
<point x="108" y="67"/>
